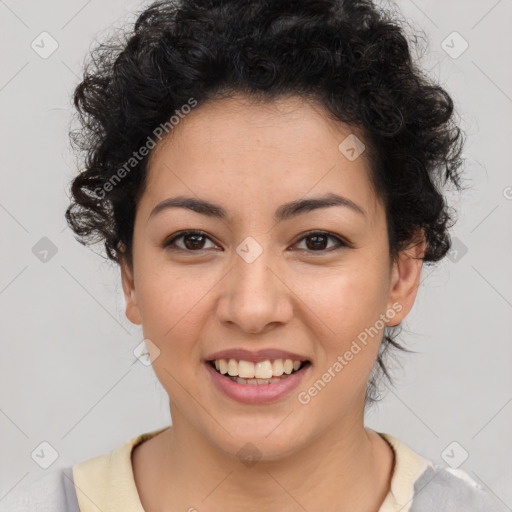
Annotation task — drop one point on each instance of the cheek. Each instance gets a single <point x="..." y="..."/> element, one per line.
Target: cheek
<point x="349" y="337"/>
<point x="349" y="303"/>
<point x="346" y="301"/>
<point x="172" y="313"/>
<point x="170" y="299"/>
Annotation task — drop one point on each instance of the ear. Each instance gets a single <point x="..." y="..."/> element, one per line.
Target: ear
<point x="405" y="278"/>
<point x="130" y="295"/>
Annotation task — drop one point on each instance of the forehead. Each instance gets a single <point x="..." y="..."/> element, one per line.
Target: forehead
<point x="242" y="148"/>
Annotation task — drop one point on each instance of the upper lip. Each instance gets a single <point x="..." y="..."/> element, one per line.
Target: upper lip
<point x="255" y="356"/>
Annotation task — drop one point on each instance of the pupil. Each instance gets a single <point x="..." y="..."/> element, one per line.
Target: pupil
<point x="316" y="245"/>
<point x="189" y="237"/>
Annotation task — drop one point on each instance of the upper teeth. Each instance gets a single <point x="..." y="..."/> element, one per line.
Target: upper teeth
<point x="260" y="370"/>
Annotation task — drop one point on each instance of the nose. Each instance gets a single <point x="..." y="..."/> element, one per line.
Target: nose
<point x="254" y="297"/>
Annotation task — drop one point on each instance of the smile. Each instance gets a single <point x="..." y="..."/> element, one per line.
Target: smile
<point x="258" y="373"/>
<point x="259" y="382"/>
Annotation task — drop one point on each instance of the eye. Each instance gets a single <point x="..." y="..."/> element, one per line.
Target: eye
<point x="193" y="241"/>
<point x="319" y="239"/>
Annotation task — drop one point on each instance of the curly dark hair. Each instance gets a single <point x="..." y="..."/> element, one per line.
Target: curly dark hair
<point x="351" y="56"/>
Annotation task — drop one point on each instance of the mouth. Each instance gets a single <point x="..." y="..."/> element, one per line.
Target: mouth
<point x="256" y="382"/>
<point x="257" y="373"/>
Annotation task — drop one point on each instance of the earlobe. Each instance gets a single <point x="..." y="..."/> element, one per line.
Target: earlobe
<point x="130" y="294"/>
<point x="406" y="274"/>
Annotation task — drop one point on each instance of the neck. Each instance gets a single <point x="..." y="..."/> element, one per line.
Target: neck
<point x="335" y="471"/>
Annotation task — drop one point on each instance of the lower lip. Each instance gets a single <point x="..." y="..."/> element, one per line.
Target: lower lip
<point x="256" y="393"/>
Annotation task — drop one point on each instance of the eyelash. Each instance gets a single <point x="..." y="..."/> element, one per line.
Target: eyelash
<point x="182" y="234"/>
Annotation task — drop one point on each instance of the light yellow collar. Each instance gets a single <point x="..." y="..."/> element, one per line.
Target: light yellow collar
<point x="408" y="467"/>
<point x="106" y="482"/>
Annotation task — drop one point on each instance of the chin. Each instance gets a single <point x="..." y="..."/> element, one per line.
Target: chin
<point x="260" y="442"/>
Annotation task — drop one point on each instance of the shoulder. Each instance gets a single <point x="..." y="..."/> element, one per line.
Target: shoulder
<point x="53" y="492"/>
<point x="64" y="489"/>
<point x="108" y="479"/>
<point x="419" y="485"/>
<point x="443" y="489"/>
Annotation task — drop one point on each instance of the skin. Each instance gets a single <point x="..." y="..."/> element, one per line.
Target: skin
<point x="250" y="158"/>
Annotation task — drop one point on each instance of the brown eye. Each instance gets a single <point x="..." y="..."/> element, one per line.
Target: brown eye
<point x="192" y="241"/>
<point x="318" y="241"/>
<point x="195" y="241"/>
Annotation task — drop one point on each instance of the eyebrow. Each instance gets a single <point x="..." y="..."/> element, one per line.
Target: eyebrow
<point x="284" y="212"/>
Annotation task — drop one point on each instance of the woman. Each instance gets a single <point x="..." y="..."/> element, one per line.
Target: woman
<point x="269" y="177"/>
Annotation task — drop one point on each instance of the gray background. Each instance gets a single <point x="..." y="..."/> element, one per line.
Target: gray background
<point x="68" y="373"/>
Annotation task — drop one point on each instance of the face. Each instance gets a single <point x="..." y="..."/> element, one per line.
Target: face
<point x="314" y="283"/>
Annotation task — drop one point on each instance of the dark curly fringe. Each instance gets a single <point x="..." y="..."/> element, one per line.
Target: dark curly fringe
<point x="348" y="55"/>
